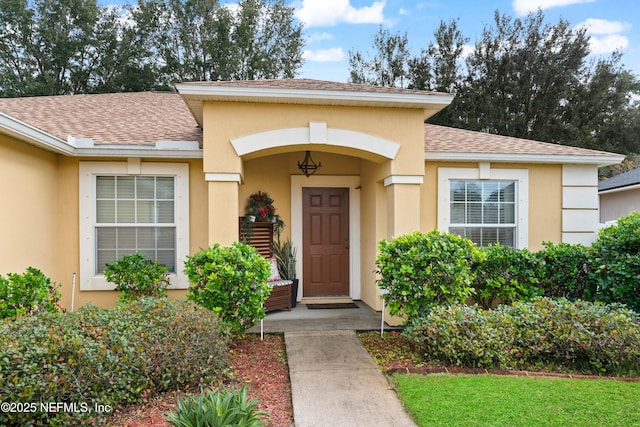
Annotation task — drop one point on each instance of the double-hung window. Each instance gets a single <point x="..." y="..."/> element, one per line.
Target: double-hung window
<point x="127" y="208"/>
<point x="486" y="205"/>
<point x="484" y="211"/>
<point x="135" y="214"/>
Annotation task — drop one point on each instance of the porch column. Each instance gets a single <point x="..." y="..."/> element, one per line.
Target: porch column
<point x="223" y="207"/>
<point x="403" y="204"/>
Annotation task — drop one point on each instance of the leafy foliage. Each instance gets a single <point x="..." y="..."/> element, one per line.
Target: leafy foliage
<point x="525" y="78"/>
<point x="57" y="47"/>
<point x="27" y="293"/>
<point x="285" y="254"/>
<point x="564" y="271"/>
<point x="542" y="334"/>
<point x="504" y="274"/>
<point x="615" y="262"/>
<point x="135" y="276"/>
<point x="110" y="357"/>
<point x="419" y="271"/>
<point x="231" y="281"/>
<point x="217" y="409"/>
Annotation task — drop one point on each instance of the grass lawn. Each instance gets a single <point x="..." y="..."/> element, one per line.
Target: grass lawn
<point x="489" y="400"/>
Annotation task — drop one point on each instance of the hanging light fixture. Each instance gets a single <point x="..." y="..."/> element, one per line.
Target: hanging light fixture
<point x="308" y="166"/>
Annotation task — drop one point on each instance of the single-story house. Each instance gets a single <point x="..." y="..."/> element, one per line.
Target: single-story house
<point x="87" y="178"/>
<point x="619" y="195"/>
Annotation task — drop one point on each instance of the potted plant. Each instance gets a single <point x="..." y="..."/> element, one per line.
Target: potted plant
<point x="260" y="206"/>
<point x="285" y="254"/>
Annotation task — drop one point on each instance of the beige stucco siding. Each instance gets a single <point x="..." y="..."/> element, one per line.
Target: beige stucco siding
<point x="41" y="221"/>
<point x="30" y="212"/>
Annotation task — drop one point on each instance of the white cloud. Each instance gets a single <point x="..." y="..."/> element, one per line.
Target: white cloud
<point x="325" y="13"/>
<point x="602" y="45"/>
<point x="318" y="37"/>
<point x="608" y="38"/>
<point x="403" y="11"/>
<point x="335" y="54"/>
<point x="467" y="50"/>
<point x="523" y="7"/>
<point x="602" y="26"/>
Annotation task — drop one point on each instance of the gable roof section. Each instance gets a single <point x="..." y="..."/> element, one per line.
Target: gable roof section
<point x="116" y="120"/>
<point x="452" y="144"/>
<point x="621" y="182"/>
<point x="309" y="92"/>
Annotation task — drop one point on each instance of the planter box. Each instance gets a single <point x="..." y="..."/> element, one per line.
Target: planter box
<point x="280" y="297"/>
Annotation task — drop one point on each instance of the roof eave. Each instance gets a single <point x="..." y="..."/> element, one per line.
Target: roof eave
<point x="597" y="160"/>
<point x="22" y="131"/>
<point x="195" y="95"/>
<point x="621" y="188"/>
<point x="32" y="135"/>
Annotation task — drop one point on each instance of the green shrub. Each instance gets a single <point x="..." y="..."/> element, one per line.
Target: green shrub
<point x="564" y="271"/>
<point x="27" y="293"/>
<point x="615" y="262"/>
<point x="503" y="274"/>
<point x="231" y="281"/>
<point x="217" y="409"/>
<point x="422" y="270"/>
<point x="542" y="334"/>
<point x="110" y="357"/>
<point x="135" y="276"/>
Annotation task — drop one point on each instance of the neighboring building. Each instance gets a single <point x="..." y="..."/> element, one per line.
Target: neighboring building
<point x="619" y="195"/>
<point x="87" y="178"/>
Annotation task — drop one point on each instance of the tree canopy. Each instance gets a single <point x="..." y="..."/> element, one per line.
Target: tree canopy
<point x="524" y="78"/>
<point x="56" y="47"/>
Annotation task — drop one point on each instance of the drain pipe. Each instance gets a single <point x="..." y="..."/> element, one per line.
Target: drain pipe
<point x="73" y="291"/>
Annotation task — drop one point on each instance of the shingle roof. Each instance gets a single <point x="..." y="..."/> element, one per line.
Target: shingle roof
<point x="146" y="117"/>
<point x="140" y="118"/>
<point x="441" y="139"/>
<point x="623" y="180"/>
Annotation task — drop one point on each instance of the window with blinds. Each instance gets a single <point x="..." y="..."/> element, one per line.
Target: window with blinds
<point x="135" y="214"/>
<point x="484" y="211"/>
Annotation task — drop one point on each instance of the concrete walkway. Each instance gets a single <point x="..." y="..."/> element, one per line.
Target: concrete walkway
<point x="334" y="383"/>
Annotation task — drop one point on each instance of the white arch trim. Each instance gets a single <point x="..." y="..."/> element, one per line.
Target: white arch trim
<point x="316" y="133"/>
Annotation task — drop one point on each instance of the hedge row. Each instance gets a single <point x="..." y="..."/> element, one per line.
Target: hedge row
<point x="555" y="335"/>
<point x="419" y="271"/>
<point x="106" y="357"/>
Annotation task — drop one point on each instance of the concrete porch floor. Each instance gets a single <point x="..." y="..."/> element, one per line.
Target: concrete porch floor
<point x="301" y="318"/>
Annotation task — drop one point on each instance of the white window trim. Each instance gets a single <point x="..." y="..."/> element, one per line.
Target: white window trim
<point x="87" y="190"/>
<point x="521" y="176"/>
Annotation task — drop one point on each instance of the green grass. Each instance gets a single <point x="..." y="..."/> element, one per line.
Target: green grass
<point x="489" y="400"/>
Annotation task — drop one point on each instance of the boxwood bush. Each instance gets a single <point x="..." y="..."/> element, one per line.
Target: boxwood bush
<point x="231" y="281"/>
<point x="564" y="271"/>
<point x="615" y="262"/>
<point x="419" y="271"/>
<point x="503" y="274"/>
<point x="549" y="334"/>
<point x="110" y="357"/>
<point x="27" y="293"/>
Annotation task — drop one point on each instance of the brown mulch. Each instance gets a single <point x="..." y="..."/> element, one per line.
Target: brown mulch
<point x="261" y="366"/>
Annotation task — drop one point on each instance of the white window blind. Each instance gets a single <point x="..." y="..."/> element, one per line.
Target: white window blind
<point x="135" y="214"/>
<point x="484" y="211"/>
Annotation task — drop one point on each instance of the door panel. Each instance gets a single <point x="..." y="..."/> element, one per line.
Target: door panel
<point x="325" y="213"/>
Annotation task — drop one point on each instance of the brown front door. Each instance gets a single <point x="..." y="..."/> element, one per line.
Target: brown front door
<point x="325" y="241"/>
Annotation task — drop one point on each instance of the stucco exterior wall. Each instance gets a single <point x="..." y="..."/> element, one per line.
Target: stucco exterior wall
<point x="614" y="205"/>
<point x="29" y="215"/>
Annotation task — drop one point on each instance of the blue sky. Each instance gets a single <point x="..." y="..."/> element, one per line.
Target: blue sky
<point x="333" y="27"/>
